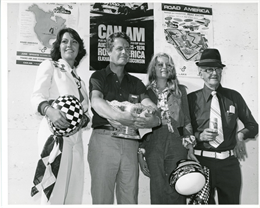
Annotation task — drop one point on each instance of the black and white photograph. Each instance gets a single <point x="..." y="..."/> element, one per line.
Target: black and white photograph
<point x="129" y="103"/>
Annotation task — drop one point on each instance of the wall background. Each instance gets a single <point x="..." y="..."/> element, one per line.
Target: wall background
<point x="235" y="28"/>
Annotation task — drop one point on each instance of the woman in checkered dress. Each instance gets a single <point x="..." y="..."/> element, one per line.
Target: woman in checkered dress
<point x="58" y="77"/>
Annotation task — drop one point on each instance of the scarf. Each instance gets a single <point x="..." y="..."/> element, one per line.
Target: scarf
<point x="162" y="103"/>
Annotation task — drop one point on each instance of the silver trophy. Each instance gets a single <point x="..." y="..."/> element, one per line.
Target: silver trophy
<point x="133" y="106"/>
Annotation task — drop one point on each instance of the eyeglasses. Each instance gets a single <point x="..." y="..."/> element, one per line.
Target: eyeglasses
<point x="210" y="70"/>
<point x="160" y="65"/>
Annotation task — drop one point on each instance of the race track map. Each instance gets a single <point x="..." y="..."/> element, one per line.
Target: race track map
<point x="187" y="44"/>
<point x="38" y="27"/>
<point x="188" y="29"/>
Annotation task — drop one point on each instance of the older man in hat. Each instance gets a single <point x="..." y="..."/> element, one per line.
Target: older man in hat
<point x="214" y="112"/>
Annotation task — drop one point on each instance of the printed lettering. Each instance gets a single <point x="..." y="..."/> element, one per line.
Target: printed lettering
<point x="102" y="52"/>
<point x="104" y="31"/>
<point x="136" y="34"/>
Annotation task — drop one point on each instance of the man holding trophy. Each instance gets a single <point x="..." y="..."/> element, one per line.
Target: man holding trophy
<point x="120" y="107"/>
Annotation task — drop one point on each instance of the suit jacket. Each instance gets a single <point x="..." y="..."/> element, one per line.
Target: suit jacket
<point x="54" y="79"/>
<point x="178" y="109"/>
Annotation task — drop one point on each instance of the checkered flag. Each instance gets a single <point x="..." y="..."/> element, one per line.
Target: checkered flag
<point x="48" y="166"/>
<point x="202" y="196"/>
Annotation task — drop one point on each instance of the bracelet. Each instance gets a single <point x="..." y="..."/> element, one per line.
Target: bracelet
<point x="159" y="120"/>
<point x="45" y="109"/>
<point x="141" y="151"/>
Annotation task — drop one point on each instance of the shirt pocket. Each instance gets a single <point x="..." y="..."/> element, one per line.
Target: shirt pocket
<point x="230" y="120"/>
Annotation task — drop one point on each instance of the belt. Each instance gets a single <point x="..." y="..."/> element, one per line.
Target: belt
<point x="216" y="155"/>
<point x="124" y="132"/>
<point x="111" y="128"/>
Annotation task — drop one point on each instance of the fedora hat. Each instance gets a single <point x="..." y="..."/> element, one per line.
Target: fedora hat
<point x="210" y="57"/>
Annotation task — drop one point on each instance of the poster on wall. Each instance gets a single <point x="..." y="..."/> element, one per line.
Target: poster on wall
<point x="38" y="26"/>
<point x="136" y="19"/>
<point x="189" y="30"/>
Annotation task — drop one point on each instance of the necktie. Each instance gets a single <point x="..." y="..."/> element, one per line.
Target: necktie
<point x="215" y="120"/>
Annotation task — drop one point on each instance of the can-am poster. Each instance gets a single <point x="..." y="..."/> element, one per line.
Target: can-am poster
<point x="136" y="19"/>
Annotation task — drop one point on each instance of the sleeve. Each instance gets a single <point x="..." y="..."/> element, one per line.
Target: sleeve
<point x="42" y="85"/>
<point x="250" y="129"/>
<point x="187" y="130"/>
<point x="96" y="82"/>
<point x="185" y="108"/>
<point x="141" y="90"/>
<point x="191" y="102"/>
<point x="142" y="142"/>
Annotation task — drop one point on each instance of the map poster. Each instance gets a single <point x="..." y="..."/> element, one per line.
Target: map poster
<point x="188" y="29"/>
<point x="136" y="19"/>
<point x="38" y="26"/>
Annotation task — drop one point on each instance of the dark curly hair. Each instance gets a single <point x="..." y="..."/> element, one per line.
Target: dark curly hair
<point x="55" y="52"/>
<point x="112" y="37"/>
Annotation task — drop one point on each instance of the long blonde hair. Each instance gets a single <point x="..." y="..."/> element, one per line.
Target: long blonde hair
<point x="172" y="80"/>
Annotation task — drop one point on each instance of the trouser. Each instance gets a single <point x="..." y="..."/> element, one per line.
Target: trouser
<point x="69" y="185"/>
<point x="225" y="177"/>
<point x="113" y="162"/>
<point x="68" y="188"/>
<point x="163" y="151"/>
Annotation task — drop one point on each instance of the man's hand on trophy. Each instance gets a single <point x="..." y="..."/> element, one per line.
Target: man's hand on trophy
<point x="149" y="120"/>
<point x="126" y="118"/>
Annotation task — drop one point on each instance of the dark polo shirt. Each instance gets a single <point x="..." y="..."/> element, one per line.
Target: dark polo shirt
<point x="109" y="85"/>
<point x="199" y="104"/>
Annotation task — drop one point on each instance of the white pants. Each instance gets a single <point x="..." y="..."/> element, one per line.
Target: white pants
<point x="68" y="188"/>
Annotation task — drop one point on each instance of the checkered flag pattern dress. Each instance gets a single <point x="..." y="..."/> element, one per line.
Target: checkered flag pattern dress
<point x="48" y="165"/>
<point x="203" y="195"/>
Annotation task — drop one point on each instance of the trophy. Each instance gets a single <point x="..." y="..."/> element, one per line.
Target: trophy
<point x="133" y="106"/>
